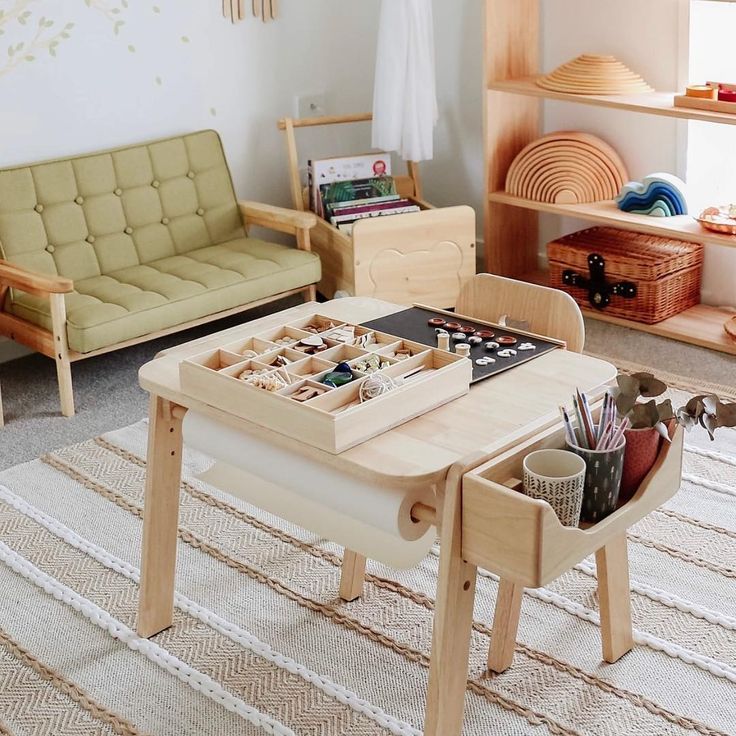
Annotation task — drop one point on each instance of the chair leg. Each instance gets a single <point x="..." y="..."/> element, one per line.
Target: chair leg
<point x="61" y="354"/>
<point x="505" y="626"/>
<point x="614" y="595"/>
<point x="352" y="576"/>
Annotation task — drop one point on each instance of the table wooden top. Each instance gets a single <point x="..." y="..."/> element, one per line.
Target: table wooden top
<point x="495" y="414"/>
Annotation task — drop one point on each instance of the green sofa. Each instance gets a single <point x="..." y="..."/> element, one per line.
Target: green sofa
<point x="108" y="249"/>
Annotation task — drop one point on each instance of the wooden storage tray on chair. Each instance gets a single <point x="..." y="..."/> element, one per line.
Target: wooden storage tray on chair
<point x="521" y="539"/>
<point x="422" y="257"/>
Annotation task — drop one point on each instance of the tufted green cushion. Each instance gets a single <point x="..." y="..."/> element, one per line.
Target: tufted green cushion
<point x="150" y="234"/>
<point x="138" y="300"/>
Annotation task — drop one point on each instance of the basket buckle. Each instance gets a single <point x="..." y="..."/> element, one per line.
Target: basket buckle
<point x="599" y="290"/>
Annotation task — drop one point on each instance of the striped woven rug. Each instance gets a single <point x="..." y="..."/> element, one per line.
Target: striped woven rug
<point x="261" y="643"/>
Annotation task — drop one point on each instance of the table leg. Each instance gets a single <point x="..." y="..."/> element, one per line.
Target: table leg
<point x="453" y="621"/>
<point x="505" y="625"/>
<point x="614" y="597"/>
<point x="160" y="519"/>
<point x="352" y="575"/>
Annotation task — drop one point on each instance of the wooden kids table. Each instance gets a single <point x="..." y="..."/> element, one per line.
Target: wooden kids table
<point x="436" y="449"/>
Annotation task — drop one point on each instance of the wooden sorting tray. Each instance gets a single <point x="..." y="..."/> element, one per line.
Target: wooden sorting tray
<point x="521" y="539"/>
<point x="335" y="420"/>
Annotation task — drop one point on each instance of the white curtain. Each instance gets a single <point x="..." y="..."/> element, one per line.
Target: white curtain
<point x="405" y="98"/>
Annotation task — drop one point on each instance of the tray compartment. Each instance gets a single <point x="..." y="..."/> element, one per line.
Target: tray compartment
<point x="522" y="540"/>
<point x="254" y="344"/>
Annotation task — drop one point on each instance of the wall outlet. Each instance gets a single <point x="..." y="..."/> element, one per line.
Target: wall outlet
<point x="310" y="105"/>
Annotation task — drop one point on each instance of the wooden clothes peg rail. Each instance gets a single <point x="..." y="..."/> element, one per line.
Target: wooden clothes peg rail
<point x="234" y="10"/>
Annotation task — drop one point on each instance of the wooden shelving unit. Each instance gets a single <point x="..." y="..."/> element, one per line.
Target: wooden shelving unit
<point x="513" y="109"/>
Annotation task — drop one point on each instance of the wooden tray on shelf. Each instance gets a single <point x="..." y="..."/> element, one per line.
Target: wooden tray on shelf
<point x="335" y="420"/>
<point x="522" y="540"/>
<point x="699" y="103"/>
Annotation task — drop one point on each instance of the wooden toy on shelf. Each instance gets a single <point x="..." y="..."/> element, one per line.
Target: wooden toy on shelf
<point x="234" y="10"/>
<point x="713" y="96"/>
<point x="730" y="327"/>
<point x="657" y="195"/>
<point x="420" y="257"/>
<point x="593" y="74"/>
<point x="567" y="167"/>
<point x="719" y="219"/>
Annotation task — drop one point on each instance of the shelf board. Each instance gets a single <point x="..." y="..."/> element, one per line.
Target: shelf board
<point x="701" y="325"/>
<point x="654" y="103"/>
<point x="681" y="227"/>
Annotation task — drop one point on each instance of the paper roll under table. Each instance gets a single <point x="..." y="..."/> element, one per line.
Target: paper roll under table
<point x="373" y="520"/>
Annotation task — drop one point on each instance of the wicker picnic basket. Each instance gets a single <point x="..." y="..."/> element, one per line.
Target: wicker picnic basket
<point x="644" y="278"/>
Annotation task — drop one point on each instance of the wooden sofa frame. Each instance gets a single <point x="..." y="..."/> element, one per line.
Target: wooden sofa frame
<point x="54" y="344"/>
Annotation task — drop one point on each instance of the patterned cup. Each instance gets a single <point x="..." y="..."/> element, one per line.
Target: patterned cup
<point x="557" y="477"/>
<point x="602" y="481"/>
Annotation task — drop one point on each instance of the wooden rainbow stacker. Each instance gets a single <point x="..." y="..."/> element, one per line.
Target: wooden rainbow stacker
<point x="466" y="454"/>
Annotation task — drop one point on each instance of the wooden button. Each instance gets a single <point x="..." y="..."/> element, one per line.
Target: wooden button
<point x="436" y="322"/>
<point x="486" y="334"/>
<point x="506" y="340"/>
<point x="726" y="95"/>
<point x="467" y="330"/>
<point x="453" y="326"/>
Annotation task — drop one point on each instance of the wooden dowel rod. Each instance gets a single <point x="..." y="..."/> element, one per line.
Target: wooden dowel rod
<point x="423" y="512"/>
<point x="327" y="120"/>
<point x="178" y="412"/>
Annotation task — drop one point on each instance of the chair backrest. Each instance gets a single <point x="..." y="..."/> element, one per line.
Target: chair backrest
<point x="98" y="213"/>
<point x="545" y="311"/>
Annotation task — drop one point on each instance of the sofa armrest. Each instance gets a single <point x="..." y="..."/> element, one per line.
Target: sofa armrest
<point x="281" y="219"/>
<point x="40" y="284"/>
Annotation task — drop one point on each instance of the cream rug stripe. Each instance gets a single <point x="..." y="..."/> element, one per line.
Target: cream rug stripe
<point x="149" y="649"/>
<point x="673" y="380"/>
<point x="228" y="629"/>
<point x="668" y="599"/>
<point x="107" y="491"/>
<point x="671" y="649"/>
<point x="64" y="707"/>
<point x="714" y="667"/>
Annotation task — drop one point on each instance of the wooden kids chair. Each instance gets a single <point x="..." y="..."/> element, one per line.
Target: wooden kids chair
<point x="545" y="311"/>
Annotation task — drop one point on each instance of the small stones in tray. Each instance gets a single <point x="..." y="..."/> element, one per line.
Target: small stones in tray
<point x="371" y="364"/>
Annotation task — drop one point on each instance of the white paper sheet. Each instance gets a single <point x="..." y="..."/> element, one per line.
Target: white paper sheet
<point x="372" y="520"/>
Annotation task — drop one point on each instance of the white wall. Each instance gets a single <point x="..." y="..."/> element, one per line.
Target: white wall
<point x="182" y="69"/>
<point x="185" y="68"/>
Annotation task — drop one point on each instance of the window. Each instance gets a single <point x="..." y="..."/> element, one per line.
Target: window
<point x="711" y="150"/>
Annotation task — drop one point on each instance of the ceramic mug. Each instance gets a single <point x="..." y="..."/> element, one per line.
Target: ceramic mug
<point x="557" y="477"/>
<point x="604" y="469"/>
<point x="642" y="449"/>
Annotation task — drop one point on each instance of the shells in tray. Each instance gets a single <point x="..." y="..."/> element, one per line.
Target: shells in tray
<point x="594" y="74"/>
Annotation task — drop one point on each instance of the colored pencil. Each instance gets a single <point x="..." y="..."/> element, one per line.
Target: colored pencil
<point x="579" y="417"/>
<point x="619" y="433"/>
<point x="569" y="431"/>
<point x="588" y="416"/>
<point x="587" y="428"/>
<point x="603" y="418"/>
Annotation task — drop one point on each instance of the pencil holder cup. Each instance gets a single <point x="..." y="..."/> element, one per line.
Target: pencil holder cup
<point x="557" y="477"/>
<point x="642" y="448"/>
<point x="602" y="480"/>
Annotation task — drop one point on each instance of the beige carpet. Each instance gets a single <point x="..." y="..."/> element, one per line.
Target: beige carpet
<point x="262" y="645"/>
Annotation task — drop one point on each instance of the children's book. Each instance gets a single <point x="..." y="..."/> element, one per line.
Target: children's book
<point x="347" y="168"/>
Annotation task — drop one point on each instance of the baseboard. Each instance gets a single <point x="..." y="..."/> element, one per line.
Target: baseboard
<point x="10" y="350"/>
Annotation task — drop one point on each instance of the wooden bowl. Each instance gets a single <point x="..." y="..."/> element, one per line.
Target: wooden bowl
<point x="718" y="220"/>
<point x="730" y="327"/>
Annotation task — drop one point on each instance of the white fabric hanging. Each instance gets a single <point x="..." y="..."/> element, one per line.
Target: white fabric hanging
<point x="405" y="98"/>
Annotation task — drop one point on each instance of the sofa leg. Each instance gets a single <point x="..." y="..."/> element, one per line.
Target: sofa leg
<point x="310" y="293"/>
<point x="61" y="354"/>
